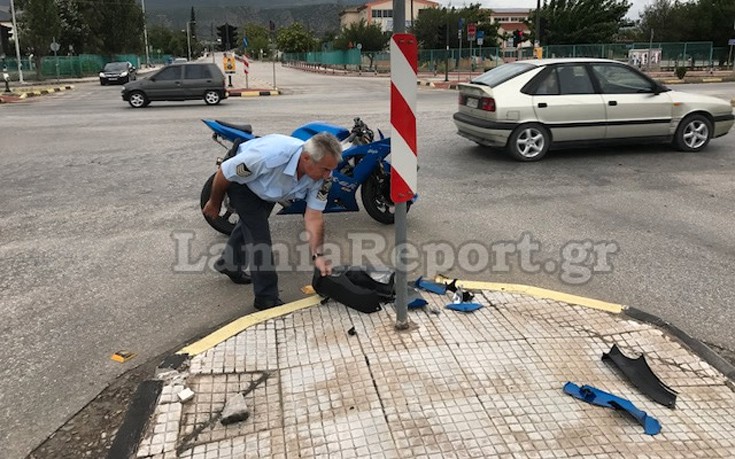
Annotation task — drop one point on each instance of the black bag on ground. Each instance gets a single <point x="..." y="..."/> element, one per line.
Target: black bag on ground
<point x="353" y="288"/>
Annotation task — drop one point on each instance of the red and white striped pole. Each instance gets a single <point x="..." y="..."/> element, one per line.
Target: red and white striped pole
<point x="403" y="178"/>
<point x="403" y="67"/>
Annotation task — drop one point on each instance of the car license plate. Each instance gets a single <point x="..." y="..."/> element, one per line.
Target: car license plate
<point x="472" y="103"/>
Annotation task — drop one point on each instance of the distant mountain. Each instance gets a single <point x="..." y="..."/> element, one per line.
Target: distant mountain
<point x="317" y="15"/>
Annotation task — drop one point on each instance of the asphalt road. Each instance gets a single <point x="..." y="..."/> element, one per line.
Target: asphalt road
<point x="101" y="229"/>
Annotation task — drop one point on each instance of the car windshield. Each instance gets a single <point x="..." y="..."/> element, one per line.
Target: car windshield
<point x="116" y="66"/>
<point x="503" y="73"/>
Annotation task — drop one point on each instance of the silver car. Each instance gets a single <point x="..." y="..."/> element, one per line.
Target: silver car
<point x="528" y="106"/>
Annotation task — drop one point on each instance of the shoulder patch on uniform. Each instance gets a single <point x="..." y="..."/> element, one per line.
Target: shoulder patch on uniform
<point x="324" y="190"/>
<point x="242" y="170"/>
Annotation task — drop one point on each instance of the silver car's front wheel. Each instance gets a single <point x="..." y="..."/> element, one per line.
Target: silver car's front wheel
<point x="529" y="142"/>
<point x="693" y="133"/>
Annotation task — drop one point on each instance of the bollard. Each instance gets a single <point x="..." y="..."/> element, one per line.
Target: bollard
<point x="6" y="77"/>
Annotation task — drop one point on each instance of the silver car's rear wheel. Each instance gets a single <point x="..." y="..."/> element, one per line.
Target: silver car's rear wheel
<point x="211" y="97"/>
<point x="137" y="100"/>
<point x="529" y="142"/>
<point x="693" y="133"/>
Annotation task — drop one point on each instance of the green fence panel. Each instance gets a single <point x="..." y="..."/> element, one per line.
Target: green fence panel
<point x="349" y="57"/>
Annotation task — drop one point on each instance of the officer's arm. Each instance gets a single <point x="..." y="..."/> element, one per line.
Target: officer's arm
<point x="314" y="223"/>
<point x="219" y="187"/>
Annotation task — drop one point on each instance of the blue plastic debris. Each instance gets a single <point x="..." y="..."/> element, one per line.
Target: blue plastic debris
<point x="429" y="286"/>
<point x="464" y="307"/>
<point x="417" y="303"/>
<point x="599" y="397"/>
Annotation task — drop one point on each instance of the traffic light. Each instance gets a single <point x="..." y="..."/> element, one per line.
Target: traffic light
<point x="518" y="38"/>
<point x="227" y="36"/>
<point x="442" y="36"/>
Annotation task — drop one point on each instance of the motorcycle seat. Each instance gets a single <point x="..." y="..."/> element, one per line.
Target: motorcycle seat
<point x="240" y="127"/>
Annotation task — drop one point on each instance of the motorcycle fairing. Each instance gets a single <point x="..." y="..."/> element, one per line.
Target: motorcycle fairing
<point x="308" y="130"/>
<point x="228" y="132"/>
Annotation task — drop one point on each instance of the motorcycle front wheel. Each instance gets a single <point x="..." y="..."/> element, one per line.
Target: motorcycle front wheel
<point x="228" y="217"/>
<point x="375" y="194"/>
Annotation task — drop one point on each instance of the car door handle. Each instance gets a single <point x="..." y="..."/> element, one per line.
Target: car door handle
<point x="542" y="105"/>
<point x="612" y="102"/>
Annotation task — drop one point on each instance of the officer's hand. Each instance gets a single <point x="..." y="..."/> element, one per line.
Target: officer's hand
<point x="323" y="265"/>
<point x="211" y="210"/>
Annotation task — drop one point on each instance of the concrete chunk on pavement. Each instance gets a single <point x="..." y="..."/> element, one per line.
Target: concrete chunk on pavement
<point x="235" y="410"/>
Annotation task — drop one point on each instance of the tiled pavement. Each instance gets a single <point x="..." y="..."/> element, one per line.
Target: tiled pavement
<point x="481" y="384"/>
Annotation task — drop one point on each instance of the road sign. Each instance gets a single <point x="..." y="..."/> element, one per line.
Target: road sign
<point x="55" y="46"/>
<point x="228" y="62"/>
<point x="480" y="37"/>
<point x="471" y="29"/>
<point x="731" y="42"/>
<point x="404" y="164"/>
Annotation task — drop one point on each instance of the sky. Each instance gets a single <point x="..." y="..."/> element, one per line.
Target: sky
<point x="635" y="9"/>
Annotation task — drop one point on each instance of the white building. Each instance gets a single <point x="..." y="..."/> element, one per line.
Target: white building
<point x="381" y="12"/>
<point x="509" y="20"/>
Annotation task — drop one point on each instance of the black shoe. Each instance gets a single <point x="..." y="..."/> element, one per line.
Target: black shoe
<point x="262" y="303"/>
<point x="235" y="276"/>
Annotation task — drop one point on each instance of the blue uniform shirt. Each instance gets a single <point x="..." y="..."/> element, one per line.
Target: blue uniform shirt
<point x="268" y="166"/>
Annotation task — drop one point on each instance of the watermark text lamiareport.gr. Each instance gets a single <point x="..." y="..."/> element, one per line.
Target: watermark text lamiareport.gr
<point x="575" y="262"/>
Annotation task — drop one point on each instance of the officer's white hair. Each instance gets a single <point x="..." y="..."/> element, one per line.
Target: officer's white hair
<point x="323" y="144"/>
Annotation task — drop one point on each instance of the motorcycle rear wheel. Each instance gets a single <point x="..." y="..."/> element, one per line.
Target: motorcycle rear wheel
<point x="375" y="194"/>
<point x="228" y="217"/>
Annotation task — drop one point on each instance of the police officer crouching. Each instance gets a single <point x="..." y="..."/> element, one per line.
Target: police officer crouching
<point x="264" y="171"/>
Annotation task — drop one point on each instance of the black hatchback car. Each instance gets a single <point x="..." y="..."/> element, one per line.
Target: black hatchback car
<point x="117" y="72"/>
<point x="187" y="81"/>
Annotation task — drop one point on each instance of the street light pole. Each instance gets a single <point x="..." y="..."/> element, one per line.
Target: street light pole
<point x="538" y="24"/>
<point x="16" y="38"/>
<point x="145" y="37"/>
<point x="188" y="39"/>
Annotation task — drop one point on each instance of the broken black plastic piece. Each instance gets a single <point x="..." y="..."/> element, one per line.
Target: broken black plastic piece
<point x="352" y="331"/>
<point x="641" y="376"/>
<point x="452" y="286"/>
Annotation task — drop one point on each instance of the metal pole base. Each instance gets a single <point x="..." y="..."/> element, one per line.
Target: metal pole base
<point x="402" y="325"/>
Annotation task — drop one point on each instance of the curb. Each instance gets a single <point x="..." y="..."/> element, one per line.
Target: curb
<point x="238" y="325"/>
<point x="253" y="93"/>
<point x="41" y="92"/>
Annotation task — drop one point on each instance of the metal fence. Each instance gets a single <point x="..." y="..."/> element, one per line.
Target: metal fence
<point x="670" y="55"/>
<point x="82" y="65"/>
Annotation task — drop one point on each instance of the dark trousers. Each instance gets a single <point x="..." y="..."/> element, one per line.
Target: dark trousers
<point x="250" y="241"/>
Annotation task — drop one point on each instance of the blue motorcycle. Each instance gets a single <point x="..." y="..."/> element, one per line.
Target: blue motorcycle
<point x="363" y="166"/>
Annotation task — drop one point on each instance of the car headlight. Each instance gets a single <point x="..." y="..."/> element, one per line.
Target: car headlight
<point x="124" y="74"/>
<point x="102" y="75"/>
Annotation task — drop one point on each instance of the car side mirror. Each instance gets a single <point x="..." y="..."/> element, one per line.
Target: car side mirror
<point x="132" y="69"/>
<point x="152" y="78"/>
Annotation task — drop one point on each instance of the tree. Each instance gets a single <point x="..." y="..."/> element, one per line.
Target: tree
<point x="295" y="39"/>
<point x="114" y="28"/>
<point x="257" y="36"/>
<point x="166" y="40"/>
<point x="369" y="35"/>
<point x="39" y="25"/>
<point x="582" y="21"/>
<point x="74" y="30"/>
<point x="435" y="28"/>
